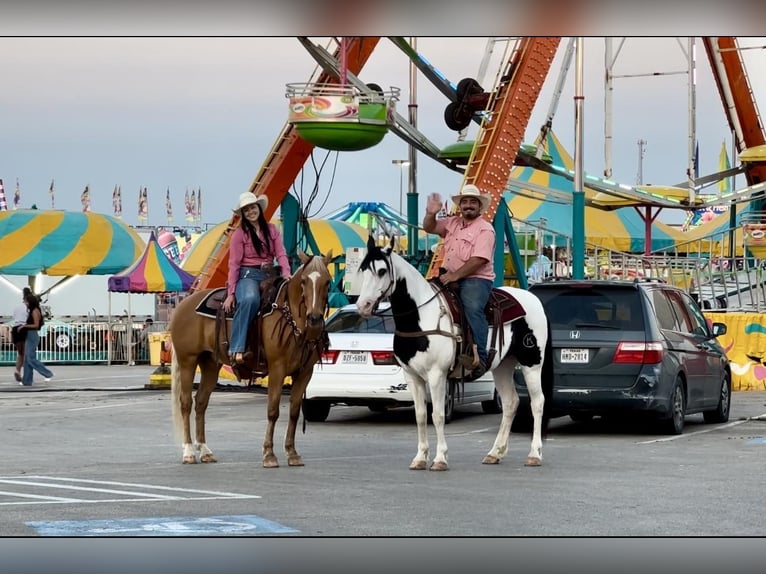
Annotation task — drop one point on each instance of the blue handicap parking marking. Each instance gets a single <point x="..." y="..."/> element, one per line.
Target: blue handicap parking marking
<point x="757" y="440"/>
<point x="248" y="524"/>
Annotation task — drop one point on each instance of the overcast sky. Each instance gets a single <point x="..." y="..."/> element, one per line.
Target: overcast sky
<point x="180" y="113"/>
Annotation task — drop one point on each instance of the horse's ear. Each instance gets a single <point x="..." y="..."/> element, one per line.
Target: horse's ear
<point x="302" y="256"/>
<point x="391" y="243"/>
<point x="328" y="256"/>
<point x="370" y="242"/>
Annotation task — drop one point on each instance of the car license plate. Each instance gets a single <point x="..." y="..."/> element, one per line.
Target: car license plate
<point x="353" y="357"/>
<point x="574" y="355"/>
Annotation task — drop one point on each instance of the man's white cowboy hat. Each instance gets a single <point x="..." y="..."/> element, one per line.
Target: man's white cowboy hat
<point x="248" y="198"/>
<point x="471" y="190"/>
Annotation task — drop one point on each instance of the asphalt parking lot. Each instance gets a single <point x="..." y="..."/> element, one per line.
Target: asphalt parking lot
<point x="92" y="453"/>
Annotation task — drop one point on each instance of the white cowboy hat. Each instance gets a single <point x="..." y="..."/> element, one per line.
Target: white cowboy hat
<point x="248" y="198"/>
<point x="471" y="190"/>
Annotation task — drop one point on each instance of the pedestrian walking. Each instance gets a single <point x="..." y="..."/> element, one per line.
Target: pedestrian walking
<point x="18" y="337"/>
<point x="31" y="329"/>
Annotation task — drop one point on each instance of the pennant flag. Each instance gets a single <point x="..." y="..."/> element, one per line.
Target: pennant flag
<point x="193" y="205"/>
<point x="3" y="201"/>
<point x="52" y="193"/>
<point x="199" y="204"/>
<point x="143" y="205"/>
<point x="188" y="207"/>
<point x="724" y="186"/>
<point x="116" y="202"/>
<point x="168" y="207"/>
<point x="85" y="199"/>
<point x="17" y="195"/>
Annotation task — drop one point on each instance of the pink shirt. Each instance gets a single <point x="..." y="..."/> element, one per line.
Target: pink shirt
<point x="461" y="242"/>
<point x="242" y="254"/>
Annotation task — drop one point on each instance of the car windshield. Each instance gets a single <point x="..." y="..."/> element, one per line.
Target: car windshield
<point x="348" y="321"/>
<point x="593" y="307"/>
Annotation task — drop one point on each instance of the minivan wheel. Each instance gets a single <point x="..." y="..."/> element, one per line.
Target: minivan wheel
<point x="721" y="413"/>
<point x="675" y="423"/>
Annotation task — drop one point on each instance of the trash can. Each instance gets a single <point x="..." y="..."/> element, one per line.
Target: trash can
<point x="155" y="347"/>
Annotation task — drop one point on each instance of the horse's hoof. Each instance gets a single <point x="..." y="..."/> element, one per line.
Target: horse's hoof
<point x="190" y="459"/>
<point x="207" y="458"/>
<point x="294" y="461"/>
<point x="489" y="459"/>
<point x="270" y="462"/>
<point x="418" y="465"/>
<point x="533" y="461"/>
<point x="440" y="465"/>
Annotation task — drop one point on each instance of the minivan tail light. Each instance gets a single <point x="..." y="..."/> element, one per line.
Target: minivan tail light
<point x="383" y="358"/>
<point x="639" y="352"/>
<point x="329" y="357"/>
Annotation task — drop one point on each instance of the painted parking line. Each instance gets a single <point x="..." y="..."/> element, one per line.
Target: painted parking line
<point x="124" y="491"/>
<point x="247" y="524"/>
<point x="701" y="431"/>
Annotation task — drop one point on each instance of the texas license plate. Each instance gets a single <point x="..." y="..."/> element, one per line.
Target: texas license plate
<point x="353" y="357"/>
<point x="574" y="355"/>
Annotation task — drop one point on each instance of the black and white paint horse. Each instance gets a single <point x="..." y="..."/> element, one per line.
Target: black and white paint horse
<point x="418" y="306"/>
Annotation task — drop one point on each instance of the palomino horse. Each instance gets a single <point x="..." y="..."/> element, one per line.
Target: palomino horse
<point x="293" y="338"/>
<point x="419" y="307"/>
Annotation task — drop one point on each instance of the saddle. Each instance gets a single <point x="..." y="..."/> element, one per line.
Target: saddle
<point x="501" y="308"/>
<point x="255" y="364"/>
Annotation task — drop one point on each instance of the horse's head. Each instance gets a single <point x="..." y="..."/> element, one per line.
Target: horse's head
<point x="314" y="279"/>
<point x="376" y="277"/>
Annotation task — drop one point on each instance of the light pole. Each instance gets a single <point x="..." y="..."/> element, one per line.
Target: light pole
<point x="402" y="163"/>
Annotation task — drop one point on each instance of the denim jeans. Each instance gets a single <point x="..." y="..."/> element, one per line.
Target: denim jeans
<point x="248" y="294"/>
<point x="30" y="359"/>
<point x="474" y="294"/>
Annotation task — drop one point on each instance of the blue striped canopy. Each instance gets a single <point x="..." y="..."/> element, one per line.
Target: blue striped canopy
<point x="64" y="243"/>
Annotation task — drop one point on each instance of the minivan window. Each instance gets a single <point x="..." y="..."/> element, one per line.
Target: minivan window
<point x="615" y="308"/>
<point x="664" y="311"/>
<point x="699" y="323"/>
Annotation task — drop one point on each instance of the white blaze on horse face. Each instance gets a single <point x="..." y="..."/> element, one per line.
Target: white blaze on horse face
<point x="314" y="278"/>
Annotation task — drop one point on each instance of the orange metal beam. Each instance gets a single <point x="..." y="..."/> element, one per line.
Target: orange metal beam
<point x="282" y="166"/>
<point x="745" y="107"/>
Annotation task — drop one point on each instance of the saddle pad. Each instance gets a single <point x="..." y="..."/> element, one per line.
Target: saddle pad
<point x="510" y="309"/>
<point x="210" y="304"/>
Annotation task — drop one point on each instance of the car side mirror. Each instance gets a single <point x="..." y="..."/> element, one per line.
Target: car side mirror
<point x="718" y="329"/>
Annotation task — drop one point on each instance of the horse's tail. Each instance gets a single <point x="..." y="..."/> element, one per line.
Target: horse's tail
<point x="175" y="397"/>
<point x="547" y="379"/>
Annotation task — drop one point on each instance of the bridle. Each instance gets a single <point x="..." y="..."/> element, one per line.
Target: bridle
<point x="437" y="291"/>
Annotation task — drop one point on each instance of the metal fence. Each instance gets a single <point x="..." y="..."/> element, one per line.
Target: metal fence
<point x="76" y="342"/>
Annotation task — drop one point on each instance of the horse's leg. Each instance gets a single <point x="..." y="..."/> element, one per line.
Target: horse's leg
<point x="418" y="389"/>
<point x="276" y="380"/>
<point x="437" y="382"/>
<point x="533" y="378"/>
<point x="300" y="382"/>
<point x="209" y="368"/>
<point x="503" y="376"/>
<point x="182" y="383"/>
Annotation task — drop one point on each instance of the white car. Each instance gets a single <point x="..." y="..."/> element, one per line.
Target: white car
<point x="359" y="369"/>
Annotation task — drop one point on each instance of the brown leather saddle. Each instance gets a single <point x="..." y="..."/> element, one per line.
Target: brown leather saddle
<point x="255" y="364"/>
<point x="501" y="308"/>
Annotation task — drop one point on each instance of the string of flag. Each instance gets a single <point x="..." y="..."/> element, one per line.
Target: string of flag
<point x="192" y="202"/>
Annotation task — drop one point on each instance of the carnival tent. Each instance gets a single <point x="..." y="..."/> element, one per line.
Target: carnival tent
<point x="618" y="229"/>
<point x="65" y="243"/>
<point x="329" y="234"/>
<point x="152" y="272"/>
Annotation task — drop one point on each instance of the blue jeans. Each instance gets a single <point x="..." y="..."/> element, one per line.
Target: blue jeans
<point x="474" y="294"/>
<point x="248" y="295"/>
<point x="30" y="359"/>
